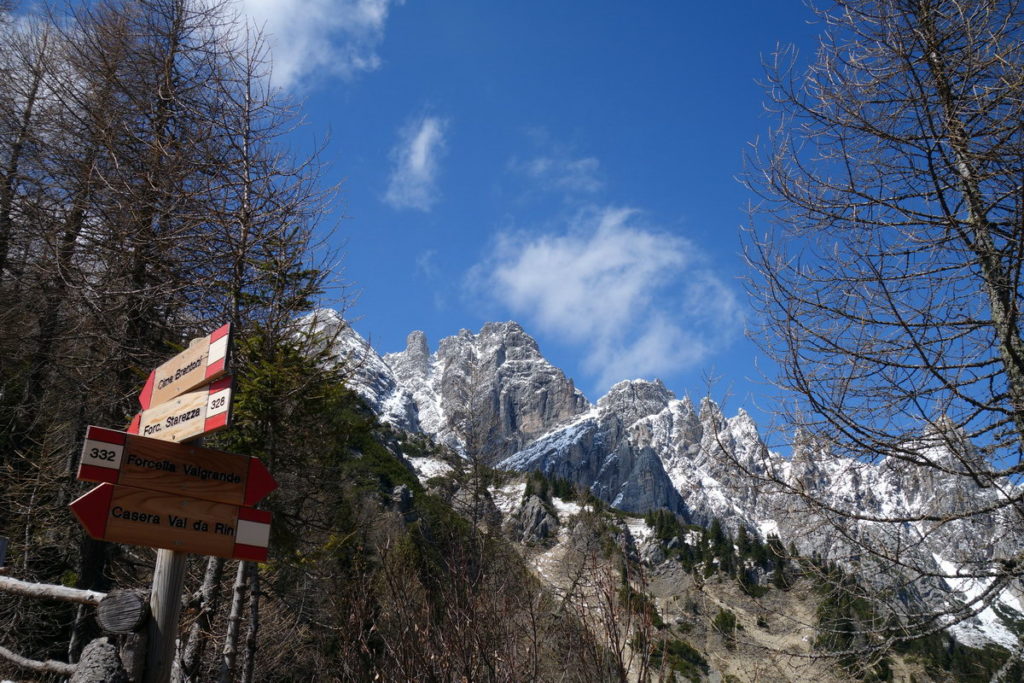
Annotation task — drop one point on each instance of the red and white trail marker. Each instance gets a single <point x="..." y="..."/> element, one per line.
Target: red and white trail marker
<point x="124" y="514"/>
<point x="121" y="458"/>
<point x="188" y="416"/>
<point x="201" y="363"/>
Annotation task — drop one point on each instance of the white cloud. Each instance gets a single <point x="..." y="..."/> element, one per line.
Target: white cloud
<point x="642" y="302"/>
<point x="562" y="172"/>
<point x="413" y="181"/>
<point x="320" y="37"/>
<point x="426" y="263"/>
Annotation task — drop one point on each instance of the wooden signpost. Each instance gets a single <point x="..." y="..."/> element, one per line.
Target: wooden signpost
<point x="202" y="362"/>
<point x="124" y="514"/>
<point x="130" y="460"/>
<point x="158" y="491"/>
<point x="189" y="416"/>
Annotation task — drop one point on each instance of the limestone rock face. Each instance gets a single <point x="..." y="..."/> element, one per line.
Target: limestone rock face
<point x="595" y="451"/>
<point x="532" y="523"/>
<point x="486" y="394"/>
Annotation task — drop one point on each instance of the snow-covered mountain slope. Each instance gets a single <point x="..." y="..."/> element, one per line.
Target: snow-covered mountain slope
<point x="595" y="450"/>
<point x="494" y="395"/>
<point x="367" y="372"/>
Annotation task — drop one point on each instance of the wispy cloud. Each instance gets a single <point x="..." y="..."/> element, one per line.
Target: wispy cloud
<point x="641" y="302"/>
<point x="321" y="37"/>
<point x="415" y="163"/>
<point x="562" y="172"/>
<point x="426" y="263"/>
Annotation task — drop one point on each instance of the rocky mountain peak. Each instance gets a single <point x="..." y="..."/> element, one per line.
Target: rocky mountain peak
<point x="416" y="346"/>
<point x="414" y="361"/>
<point x="487" y="393"/>
<point x="632" y="400"/>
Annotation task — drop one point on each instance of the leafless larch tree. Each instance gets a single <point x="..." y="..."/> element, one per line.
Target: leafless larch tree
<point x="887" y="254"/>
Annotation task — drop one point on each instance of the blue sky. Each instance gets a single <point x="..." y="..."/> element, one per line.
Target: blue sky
<point x="570" y="165"/>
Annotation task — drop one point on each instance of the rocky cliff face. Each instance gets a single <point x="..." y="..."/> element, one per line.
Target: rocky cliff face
<point x="595" y="450"/>
<point x="493" y="394"/>
<point x="487" y="394"/>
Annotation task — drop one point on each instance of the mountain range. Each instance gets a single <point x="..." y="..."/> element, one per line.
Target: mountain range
<point x="492" y="395"/>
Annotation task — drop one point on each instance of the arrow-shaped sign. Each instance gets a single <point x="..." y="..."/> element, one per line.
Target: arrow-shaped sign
<point x="188" y="416"/>
<point x="123" y="514"/>
<point x="122" y="458"/>
<point x="202" y="362"/>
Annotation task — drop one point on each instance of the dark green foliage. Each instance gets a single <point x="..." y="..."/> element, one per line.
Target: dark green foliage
<point x="351" y="571"/>
<point x="641" y="604"/>
<point x="943" y="655"/>
<point x="725" y="624"/>
<point x="848" y="622"/>
<point x="417" y="445"/>
<point x="716" y="552"/>
<point x="544" y="487"/>
<point x="679" y="656"/>
<point x="666" y="524"/>
<point x="778" y="558"/>
<point x="537" y="485"/>
<point x="749" y="586"/>
<point x="564" y="489"/>
<point x="742" y="542"/>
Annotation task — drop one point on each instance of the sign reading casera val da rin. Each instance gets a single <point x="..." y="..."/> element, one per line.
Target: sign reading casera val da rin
<point x="189" y="416"/>
<point x="124" y="514"/>
<point x="130" y="460"/>
<point x="202" y="362"/>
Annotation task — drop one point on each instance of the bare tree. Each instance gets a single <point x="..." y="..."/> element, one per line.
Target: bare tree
<point x="888" y="249"/>
<point x="145" y="194"/>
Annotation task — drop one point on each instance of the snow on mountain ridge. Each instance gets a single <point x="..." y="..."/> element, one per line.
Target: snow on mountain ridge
<point x="640" y="447"/>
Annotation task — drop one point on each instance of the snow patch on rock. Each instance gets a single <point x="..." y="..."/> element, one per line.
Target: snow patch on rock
<point x="427" y="468"/>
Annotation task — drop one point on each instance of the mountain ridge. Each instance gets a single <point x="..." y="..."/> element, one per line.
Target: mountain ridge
<point x="492" y="395"/>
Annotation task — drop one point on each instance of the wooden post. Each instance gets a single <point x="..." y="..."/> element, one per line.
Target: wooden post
<point x="165" y="606"/>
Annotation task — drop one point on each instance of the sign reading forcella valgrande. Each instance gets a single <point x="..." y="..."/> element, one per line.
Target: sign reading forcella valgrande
<point x="202" y="362"/>
<point x="123" y="514"/>
<point x="131" y="460"/>
<point x="189" y="416"/>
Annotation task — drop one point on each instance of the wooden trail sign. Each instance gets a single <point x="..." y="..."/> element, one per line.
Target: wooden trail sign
<point x="201" y="363"/>
<point x="188" y="416"/>
<point x="131" y="460"/>
<point x="124" y="514"/>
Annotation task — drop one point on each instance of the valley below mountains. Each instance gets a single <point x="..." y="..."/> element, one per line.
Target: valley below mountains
<point x="492" y="397"/>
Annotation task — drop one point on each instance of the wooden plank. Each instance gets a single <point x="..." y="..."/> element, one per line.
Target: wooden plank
<point x="204" y="361"/>
<point x="157" y="465"/>
<point x="189" y="416"/>
<point x="123" y="514"/>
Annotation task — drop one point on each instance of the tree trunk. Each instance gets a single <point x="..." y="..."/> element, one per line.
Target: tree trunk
<point x="251" y="638"/>
<point x="227" y="664"/>
<point x="199" y="632"/>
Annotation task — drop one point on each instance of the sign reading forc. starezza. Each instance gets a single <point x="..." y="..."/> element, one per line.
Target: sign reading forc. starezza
<point x="202" y="362"/>
<point x="131" y="460"/>
<point x="189" y="416"/>
<point x="124" y="514"/>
